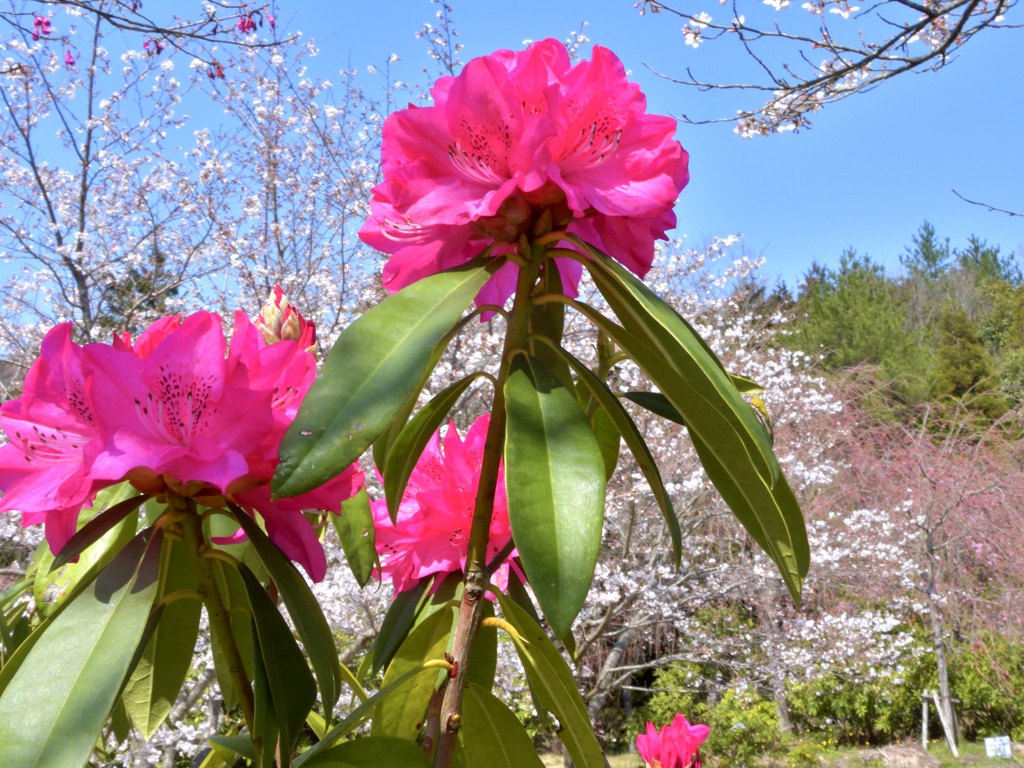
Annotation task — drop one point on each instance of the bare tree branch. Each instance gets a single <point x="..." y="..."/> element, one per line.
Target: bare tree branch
<point x="833" y="60"/>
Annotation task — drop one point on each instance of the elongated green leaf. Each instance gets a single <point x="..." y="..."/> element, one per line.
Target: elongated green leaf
<point x="354" y="526"/>
<point x="267" y="738"/>
<point x="51" y="713"/>
<point x="303" y="608"/>
<point x="491" y="735"/>
<point x="402" y="713"/>
<point x="290" y="683"/>
<point x="406" y="449"/>
<point x="369" y="374"/>
<point x="374" y="752"/>
<point x="483" y="654"/>
<point x="554" y="683"/>
<point x="713" y="404"/>
<point x="744" y="385"/>
<point x="383" y="444"/>
<point x="733" y="468"/>
<point x="353" y="720"/>
<point x="229" y="746"/>
<point x="608" y="440"/>
<point x="554" y="473"/>
<point x="626" y="427"/>
<point x="97" y="527"/>
<point x="236" y="602"/>
<point x="157" y="678"/>
<point x="97" y="547"/>
<point x="393" y="629"/>
<point x="547" y="321"/>
<point x="656" y="403"/>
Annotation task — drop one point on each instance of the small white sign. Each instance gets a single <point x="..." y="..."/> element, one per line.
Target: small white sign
<point x="998" y="746"/>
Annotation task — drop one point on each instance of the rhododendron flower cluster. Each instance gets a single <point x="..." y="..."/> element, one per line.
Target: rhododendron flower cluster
<point x="431" y="532"/>
<point x="177" y="412"/>
<point x="676" y="746"/>
<point x="515" y="138"/>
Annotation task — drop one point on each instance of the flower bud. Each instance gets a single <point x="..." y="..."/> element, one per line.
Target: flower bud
<point x="280" y="321"/>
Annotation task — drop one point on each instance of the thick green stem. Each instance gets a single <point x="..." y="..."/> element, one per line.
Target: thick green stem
<point x="220" y="621"/>
<point x="477" y="576"/>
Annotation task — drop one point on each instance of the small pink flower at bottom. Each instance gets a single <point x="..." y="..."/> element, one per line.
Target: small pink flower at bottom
<point x="431" y="534"/>
<point x="675" y="746"/>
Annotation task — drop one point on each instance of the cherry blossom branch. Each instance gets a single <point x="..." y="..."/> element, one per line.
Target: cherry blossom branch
<point x="477" y="574"/>
<point x="831" y="63"/>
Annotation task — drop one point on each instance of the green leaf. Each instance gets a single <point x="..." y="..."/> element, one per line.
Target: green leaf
<point x="550" y="676"/>
<point x="354" y="526"/>
<point x="98" y="526"/>
<point x="106" y="541"/>
<point x="406" y="449"/>
<point x="53" y="709"/>
<point x="744" y="385"/>
<point x="693" y="380"/>
<point x="547" y="321"/>
<point x="656" y="403"/>
<point x="157" y="678"/>
<point x="229" y="746"/>
<point x="303" y="608"/>
<point x="236" y="603"/>
<point x="517" y="593"/>
<point x="397" y="621"/>
<point x="382" y="444"/>
<point x="625" y="426"/>
<point x="608" y="439"/>
<point x="554" y="473"/>
<point x="353" y="720"/>
<point x="491" y="735"/>
<point x="713" y="403"/>
<point x="402" y="713"/>
<point x="482" y="665"/>
<point x="369" y="375"/>
<point x="288" y="678"/>
<point x="372" y="752"/>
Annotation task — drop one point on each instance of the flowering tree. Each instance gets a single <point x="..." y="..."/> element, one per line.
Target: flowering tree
<point x="505" y="191"/>
<point x="828" y="50"/>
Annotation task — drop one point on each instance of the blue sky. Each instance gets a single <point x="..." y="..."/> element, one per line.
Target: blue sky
<point x="872" y="169"/>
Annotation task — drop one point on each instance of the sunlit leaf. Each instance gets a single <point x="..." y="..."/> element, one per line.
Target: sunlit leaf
<point x="288" y="678"/>
<point x="555" y="476"/>
<point x="157" y="678"/>
<point x="374" y="366"/>
<point x="372" y="752"/>
<point x="303" y="608"/>
<point x="406" y="449"/>
<point x="402" y="713"/>
<point x="491" y="735"/>
<point x="555" y="686"/>
<point x="51" y="713"/>
<point x="354" y="526"/>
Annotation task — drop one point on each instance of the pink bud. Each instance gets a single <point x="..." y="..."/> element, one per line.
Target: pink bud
<point x="69" y="60"/>
<point x="280" y="321"/>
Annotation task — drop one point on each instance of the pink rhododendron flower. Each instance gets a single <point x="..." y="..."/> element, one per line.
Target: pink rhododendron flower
<point x="676" y="746"/>
<point x="176" y="412"/>
<point x="514" y="135"/>
<point x="431" y="534"/>
<point x="40" y="26"/>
